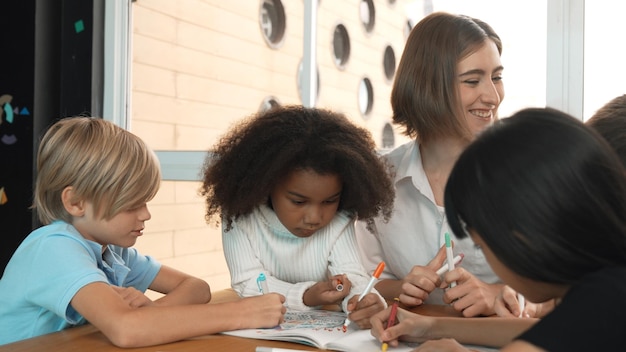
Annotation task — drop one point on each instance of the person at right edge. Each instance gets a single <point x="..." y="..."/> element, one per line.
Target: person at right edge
<point x="610" y="122"/>
<point x="550" y="217"/>
<point x="447" y="90"/>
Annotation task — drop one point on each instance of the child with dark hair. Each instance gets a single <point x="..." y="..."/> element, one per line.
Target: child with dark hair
<point x="288" y="185"/>
<point x="610" y="122"/>
<point x="550" y="216"/>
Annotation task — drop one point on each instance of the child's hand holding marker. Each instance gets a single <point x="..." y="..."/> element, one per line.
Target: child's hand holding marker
<point x="391" y="320"/>
<point x="329" y="292"/>
<point x="510" y="303"/>
<point x="522" y="304"/>
<point x="372" y="305"/>
<point x="337" y="284"/>
<point x="261" y="283"/>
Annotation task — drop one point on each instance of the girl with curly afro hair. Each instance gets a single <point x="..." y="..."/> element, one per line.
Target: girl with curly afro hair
<point x="288" y="185"/>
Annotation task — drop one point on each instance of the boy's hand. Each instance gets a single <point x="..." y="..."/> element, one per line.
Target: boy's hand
<point x="133" y="297"/>
<point x="264" y="311"/>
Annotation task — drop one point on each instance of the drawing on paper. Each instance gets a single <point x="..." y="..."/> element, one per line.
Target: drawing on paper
<point x="312" y="319"/>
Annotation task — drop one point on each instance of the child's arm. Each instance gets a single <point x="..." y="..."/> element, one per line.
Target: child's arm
<point x="179" y="288"/>
<point x="134" y="327"/>
<point x="484" y="331"/>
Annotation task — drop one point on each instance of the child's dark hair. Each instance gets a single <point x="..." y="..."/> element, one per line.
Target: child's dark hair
<point x="244" y="166"/>
<point x="545" y="193"/>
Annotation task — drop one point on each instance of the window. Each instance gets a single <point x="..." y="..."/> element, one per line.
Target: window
<point x="604" y="71"/>
<point x="272" y="21"/>
<point x="524" y="75"/>
<point x="389" y="63"/>
<point x="389" y="140"/>
<point x="407" y="29"/>
<point x="300" y="82"/>
<point x="365" y="97"/>
<point x="368" y="14"/>
<point x="341" y="46"/>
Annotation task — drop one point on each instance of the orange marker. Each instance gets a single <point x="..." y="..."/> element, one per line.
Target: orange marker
<point x="391" y="320"/>
<point x="338" y="284"/>
<point x="368" y="288"/>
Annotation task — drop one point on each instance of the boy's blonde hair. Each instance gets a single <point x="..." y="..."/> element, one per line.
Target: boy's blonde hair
<point x="106" y="165"/>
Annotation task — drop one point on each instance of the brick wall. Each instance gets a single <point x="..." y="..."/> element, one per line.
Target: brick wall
<point x="198" y="66"/>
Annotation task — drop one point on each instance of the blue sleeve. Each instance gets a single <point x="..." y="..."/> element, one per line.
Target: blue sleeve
<point x="60" y="265"/>
<point x="143" y="269"/>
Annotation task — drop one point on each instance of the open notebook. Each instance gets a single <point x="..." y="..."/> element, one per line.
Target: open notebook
<point x="323" y="329"/>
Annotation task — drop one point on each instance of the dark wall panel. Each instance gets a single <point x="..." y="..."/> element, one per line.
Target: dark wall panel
<point x="46" y="75"/>
<point x="17" y="25"/>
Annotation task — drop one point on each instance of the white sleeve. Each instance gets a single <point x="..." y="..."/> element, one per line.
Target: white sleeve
<point x="243" y="257"/>
<point x="345" y="259"/>
<point x="370" y="249"/>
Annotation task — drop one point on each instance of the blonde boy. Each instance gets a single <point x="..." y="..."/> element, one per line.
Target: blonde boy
<point x="93" y="182"/>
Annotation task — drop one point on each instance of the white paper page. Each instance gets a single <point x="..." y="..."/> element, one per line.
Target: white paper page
<point x="323" y="329"/>
<point x="363" y="341"/>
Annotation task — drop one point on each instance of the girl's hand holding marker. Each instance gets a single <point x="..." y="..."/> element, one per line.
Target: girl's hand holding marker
<point x="368" y="288"/>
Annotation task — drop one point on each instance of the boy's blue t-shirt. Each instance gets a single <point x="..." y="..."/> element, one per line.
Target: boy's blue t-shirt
<point x="47" y="270"/>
